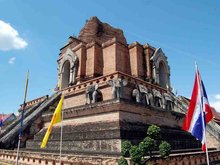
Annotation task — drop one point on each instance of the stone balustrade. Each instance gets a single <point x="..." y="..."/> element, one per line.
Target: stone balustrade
<point x="32" y="102"/>
<point x="192" y="158"/>
<point x="102" y="81"/>
<point x="214" y="129"/>
<point x="105" y="89"/>
<point x="36" y="158"/>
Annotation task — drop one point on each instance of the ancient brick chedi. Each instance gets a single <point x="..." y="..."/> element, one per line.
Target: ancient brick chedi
<point x="112" y="92"/>
<point x="101" y="50"/>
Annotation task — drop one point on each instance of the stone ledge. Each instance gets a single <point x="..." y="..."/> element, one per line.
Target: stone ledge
<point x="39" y="158"/>
<point x="102" y="80"/>
<point x="115" y="106"/>
<point x="77" y="136"/>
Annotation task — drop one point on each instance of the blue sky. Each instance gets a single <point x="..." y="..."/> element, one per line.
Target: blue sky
<point x="186" y="30"/>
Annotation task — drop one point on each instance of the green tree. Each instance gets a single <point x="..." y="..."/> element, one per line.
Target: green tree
<point x="153" y="132"/>
<point x="122" y="161"/>
<point x="136" y="154"/>
<point x="164" y="149"/>
<point x="126" y="146"/>
<point x="147" y="146"/>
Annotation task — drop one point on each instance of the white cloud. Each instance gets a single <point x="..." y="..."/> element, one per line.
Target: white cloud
<point x="216" y="105"/>
<point x="12" y="60"/>
<point x="215" y="102"/>
<point x="9" y="38"/>
<point x="217" y="96"/>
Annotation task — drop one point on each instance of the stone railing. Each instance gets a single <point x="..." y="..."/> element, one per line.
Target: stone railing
<point x="37" y="158"/>
<point x="32" y="102"/>
<point x="17" y="121"/>
<point x="180" y="106"/>
<point x="102" y="81"/>
<point x="190" y="158"/>
<point x="12" y="132"/>
<point x="214" y="129"/>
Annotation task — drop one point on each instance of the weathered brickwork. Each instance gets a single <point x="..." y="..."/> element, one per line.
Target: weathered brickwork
<point x="112" y="92"/>
<point x="36" y="158"/>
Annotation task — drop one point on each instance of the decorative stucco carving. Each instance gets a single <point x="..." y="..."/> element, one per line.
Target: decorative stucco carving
<point x="73" y="60"/>
<point x="92" y="94"/>
<point x="168" y="101"/>
<point x="161" y="69"/>
<point x="153" y="97"/>
<point x="157" y="98"/>
<point x="142" y="95"/>
<point x="117" y="87"/>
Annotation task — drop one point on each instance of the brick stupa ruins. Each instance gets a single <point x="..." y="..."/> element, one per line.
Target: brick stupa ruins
<point x="113" y="91"/>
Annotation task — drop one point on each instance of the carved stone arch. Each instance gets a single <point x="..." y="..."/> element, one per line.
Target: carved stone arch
<point x="65" y="76"/>
<point x="69" y="61"/>
<point x="163" y="78"/>
<point x="161" y="68"/>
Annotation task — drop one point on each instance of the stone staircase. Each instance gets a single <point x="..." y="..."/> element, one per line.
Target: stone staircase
<point x="17" y="121"/>
<point x="213" y="128"/>
<point x="10" y="136"/>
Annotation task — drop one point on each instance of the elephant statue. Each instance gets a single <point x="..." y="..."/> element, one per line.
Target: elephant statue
<point x="147" y="95"/>
<point x="137" y="95"/>
<point x="150" y="97"/>
<point x="168" y="101"/>
<point x="92" y="94"/>
<point x="157" y="98"/>
<point x="117" y="87"/>
<point x="142" y="94"/>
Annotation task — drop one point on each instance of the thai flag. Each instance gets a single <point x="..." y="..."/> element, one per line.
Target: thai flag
<point x="1" y="120"/>
<point x="199" y="112"/>
<point x="1" y="123"/>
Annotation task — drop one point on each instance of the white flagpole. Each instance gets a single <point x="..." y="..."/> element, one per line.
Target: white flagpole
<point x="206" y="148"/>
<point x="61" y="135"/>
<point x="201" y="108"/>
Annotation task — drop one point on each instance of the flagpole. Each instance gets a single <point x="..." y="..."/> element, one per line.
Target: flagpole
<point x="61" y="135"/>
<point x="1" y="123"/>
<point x="22" y="117"/>
<point x="203" y="119"/>
<point x="206" y="148"/>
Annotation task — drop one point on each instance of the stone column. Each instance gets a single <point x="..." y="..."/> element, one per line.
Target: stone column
<point x="154" y="73"/>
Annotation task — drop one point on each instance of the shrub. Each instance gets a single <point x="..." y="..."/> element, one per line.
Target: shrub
<point x="154" y="132"/>
<point x="122" y="161"/>
<point x="164" y="149"/>
<point x="147" y="146"/>
<point x="136" y="154"/>
<point x="126" y="146"/>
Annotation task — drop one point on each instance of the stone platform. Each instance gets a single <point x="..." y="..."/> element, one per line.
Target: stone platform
<point x="101" y="127"/>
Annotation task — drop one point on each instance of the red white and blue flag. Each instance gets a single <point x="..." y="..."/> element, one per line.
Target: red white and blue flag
<point x="199" y="112"/>
<point x="1" y="122"/>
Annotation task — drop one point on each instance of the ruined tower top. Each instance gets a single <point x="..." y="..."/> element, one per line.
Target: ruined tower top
<point x="101" y="50"/>
<point x="99" y="32"/>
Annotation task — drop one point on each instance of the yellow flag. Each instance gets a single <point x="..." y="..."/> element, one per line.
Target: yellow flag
<point x="57" y="117"/>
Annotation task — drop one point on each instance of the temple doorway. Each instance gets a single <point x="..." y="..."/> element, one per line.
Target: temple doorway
<point x="162" y="75"/>
<point x="65" y="74"/>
